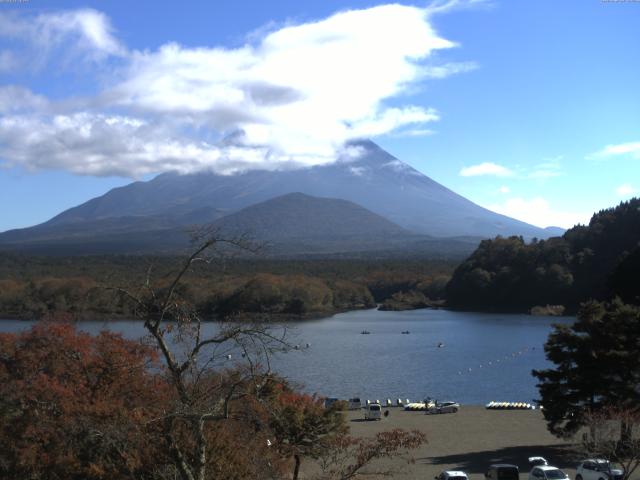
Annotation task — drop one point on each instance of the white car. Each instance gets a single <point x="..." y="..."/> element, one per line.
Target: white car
<point x="452" y="475"/>
<point x="547" y="472"/>
<point x="444" y="407"/>
<point x="355" y="404"/>
<point x="373" y="412"/>
<point x="597" y="469"/>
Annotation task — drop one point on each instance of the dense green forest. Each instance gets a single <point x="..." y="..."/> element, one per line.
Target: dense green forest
<point x="597" y="261"/>
<point x="34" y="287"/>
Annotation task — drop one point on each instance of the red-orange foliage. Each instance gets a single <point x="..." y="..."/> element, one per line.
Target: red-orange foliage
<point x="75" y="406"/>
<point x="302" y="426"/>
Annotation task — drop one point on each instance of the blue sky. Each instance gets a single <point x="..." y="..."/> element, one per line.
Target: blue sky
<point x="529" y="108"/>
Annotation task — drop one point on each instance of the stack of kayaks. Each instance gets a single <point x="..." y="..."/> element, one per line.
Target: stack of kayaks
<point x="415" y="407"/>
<point x="510" y="406"/>
<point x="419" y="406"/>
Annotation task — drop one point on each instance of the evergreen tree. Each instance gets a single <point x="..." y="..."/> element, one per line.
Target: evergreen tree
<point x="597" y="365"/>
<point x="598" y="261"/>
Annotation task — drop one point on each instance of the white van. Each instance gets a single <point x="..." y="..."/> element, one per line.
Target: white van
<point x="355" y="404"/>
<point x="373" y="412"/>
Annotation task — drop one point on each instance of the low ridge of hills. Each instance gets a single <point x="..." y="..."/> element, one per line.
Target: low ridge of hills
<point x="296" y="215"/>
<point x="375" y="202"/>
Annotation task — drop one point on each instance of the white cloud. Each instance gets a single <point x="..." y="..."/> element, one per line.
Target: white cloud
<point x="296" y="94"/>
<point x="625" y="190"/>
<point x="102" y="145"/>
<point x="486" y="168"/>
<point x="14" y="98"/>
<point x="301" y="89"/>
<point x="504" y="189"/>
<point x="84" y="32"/>
<point x="358" y="171"/>
<point x="414" y="132"/>
<point x="547" y="169"/>
<point x="448" y="69"/>
<point x="631" y="149"/>
<point x="8" y="61"/>
<point x="538" y="211"/>
<point x="401" y="167"/>
<point x="443" y="6"/>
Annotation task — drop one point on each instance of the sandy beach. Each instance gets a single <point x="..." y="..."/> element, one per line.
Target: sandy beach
<point x="470" y="440"/>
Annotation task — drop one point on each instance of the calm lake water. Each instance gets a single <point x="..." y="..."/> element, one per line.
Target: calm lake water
<point x="485" y="356"/>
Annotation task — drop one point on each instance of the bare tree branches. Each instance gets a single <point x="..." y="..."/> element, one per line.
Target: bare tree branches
<point x="204" y="388"/>
<point x="350" y="456"/>
<point x="614" y="433"/>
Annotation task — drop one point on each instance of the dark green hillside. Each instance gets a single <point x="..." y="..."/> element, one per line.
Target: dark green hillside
<point x="597" y="261"/>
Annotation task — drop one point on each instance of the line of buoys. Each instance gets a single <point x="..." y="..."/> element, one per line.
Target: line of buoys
<point x="492" y="363"/>
<point x="509" y="406"/>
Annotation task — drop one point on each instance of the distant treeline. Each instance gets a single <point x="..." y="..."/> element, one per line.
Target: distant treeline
<point x="86" y="286"/>
<point x="598" y="261"/>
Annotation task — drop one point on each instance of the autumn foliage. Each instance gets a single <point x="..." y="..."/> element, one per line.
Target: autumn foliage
<point x="74" y="405"/>
<point x="77" y="406"/>
<point x="303" y="427"/>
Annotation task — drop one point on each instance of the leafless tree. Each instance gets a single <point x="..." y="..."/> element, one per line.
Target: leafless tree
<point x="198" y="356"/>
<point x="614" y="433"/>
<point x="355" y="457"/>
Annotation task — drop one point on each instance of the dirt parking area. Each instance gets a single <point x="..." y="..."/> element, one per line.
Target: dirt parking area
<point x="470" y="440"/>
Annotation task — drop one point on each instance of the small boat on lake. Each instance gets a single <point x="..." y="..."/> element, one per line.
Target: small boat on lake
<point x="406" y="332"/>
<point x="365" y="332"/>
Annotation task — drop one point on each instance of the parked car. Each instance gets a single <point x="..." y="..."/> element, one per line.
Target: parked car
<point x="597" y="469"/>
<point x="547" y="472"/>
<point x="502" y="471"/>
<point x="373" y="412"/>
<point x="355" y="404"/>
<point x="444" y="407"/>
<point x="452" y="475"/>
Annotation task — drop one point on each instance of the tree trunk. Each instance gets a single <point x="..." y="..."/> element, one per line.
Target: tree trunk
<point x="296" y="468"/>
<point x="626" y="434"/>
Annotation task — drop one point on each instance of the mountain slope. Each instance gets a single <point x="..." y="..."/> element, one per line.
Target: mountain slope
<point x="375" y="202"/>
<point x="296" y="215"/>
<point x="376" y="180"/>
<point x="291" y="225"/>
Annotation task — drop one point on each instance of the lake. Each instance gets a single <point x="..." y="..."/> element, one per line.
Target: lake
<point x="484" y="356"/>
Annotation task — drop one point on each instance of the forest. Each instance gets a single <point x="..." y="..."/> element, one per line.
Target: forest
<point x="597" y="261"/>
<point x="85" y="287"/>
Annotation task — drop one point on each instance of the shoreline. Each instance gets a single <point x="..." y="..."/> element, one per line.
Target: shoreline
<point x="285" y="318"/>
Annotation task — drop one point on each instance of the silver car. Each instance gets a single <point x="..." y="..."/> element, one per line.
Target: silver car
<point x="451" y="475"/>
<point x="547" y="472"/>
<point x="444" y="407"/>
<point x="597" y="469"/>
